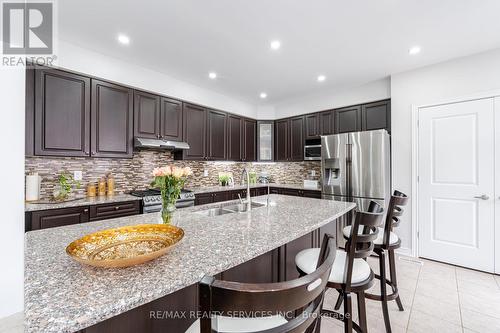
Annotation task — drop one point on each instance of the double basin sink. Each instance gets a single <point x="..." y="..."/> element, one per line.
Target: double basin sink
<point x="229" y="209"/>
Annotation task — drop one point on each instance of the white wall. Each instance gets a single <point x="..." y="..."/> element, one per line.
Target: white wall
<point x="455" y="78"/>
<point x="89" y="62"/>
<point x="329" y="99"/>
<point x="12" y="83"/>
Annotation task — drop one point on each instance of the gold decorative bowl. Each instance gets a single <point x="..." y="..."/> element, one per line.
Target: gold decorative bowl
<point x="125" y="246"/>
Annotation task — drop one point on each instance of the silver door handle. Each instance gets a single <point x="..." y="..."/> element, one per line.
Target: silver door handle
<point x="482" y="197"/>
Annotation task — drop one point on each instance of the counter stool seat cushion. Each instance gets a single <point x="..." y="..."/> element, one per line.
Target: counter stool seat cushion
<point x="237" y="325"/>
<point x="393" y="238"/>
<point x="306" y="261"/>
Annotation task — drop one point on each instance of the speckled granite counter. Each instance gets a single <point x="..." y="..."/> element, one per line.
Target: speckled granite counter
<point x="209" y="189"/>
<point x="85" y="201"/>
<point x="64" y="296"/>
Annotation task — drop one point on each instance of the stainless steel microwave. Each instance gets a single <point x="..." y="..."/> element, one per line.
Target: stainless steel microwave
<point x="312" y="150"/>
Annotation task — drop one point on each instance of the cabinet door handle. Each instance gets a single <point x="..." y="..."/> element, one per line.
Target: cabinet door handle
<point x="117" y="207"/>
<point x="482" y="197"/>
<point x="86" y="210"/>
<point x="93" y="153"/>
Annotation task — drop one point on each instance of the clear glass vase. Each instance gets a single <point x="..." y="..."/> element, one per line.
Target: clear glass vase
<point x="167" y="211"/>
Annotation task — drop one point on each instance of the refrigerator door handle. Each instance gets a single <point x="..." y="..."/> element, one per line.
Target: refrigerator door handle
<point x="348" y="168"/>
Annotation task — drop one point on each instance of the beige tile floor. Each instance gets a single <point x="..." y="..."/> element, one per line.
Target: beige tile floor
<point x="437" y="298"/>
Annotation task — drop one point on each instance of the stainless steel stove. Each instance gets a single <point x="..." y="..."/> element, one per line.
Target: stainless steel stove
<point x="151" y="200"/>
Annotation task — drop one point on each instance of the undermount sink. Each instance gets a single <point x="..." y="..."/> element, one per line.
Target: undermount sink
<point x="242" y="207"/>
<point x="214" y="212"/>
<point x="229" y="209"/>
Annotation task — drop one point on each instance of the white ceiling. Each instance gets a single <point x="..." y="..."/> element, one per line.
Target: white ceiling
<point x="351" y="42"/>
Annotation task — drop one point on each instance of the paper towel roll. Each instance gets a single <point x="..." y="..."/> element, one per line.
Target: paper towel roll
<point x="32" y="187"/>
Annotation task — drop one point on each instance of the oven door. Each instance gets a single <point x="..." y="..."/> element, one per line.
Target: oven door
<point x="184" y="203"/>
<point x="312" y="153"/>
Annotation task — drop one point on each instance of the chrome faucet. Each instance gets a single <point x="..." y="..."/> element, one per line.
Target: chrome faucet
<point x="249" y="202"/>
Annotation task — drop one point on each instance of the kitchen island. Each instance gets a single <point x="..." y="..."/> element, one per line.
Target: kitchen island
<point x="64" y="296"/>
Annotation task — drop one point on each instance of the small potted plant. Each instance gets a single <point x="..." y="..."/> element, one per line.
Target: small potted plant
<point x="64" y="187"/>
<point x="224" y="178"/>
<point x="169" y="180"/>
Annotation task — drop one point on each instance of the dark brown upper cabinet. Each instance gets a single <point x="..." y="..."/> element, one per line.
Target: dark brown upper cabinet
<point x="348" y="119"/>
<point x="111" y="120"/>
<point x="281" y="141"/>
<point x="326" y="122"/>
<point x="297" y="138"/>
<point x="217" y="137"/>
<point x="289" y="139"/>
<point x="234" y="138"/>
<point x="312" y="128"/>
<point x="62" y="113"/>
<point x="146" y="115"/>
<point x="376" y="115"/>
<point x="249" y="140"/>
<point x="194" y="131"/>
<point x="170" y="119"/>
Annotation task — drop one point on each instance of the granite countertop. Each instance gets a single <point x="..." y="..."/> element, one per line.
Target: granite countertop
<point x="84" y="201"/>
<point x="209" y="189"/>
<point x="64" y="296"/>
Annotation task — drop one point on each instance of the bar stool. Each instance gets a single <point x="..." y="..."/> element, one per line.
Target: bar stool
<point x="386" y="242"/>
<point x="290" y="306"/>
<point x="350" y="272"/>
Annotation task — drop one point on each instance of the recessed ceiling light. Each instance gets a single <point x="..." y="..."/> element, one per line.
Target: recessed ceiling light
<point x="263" y="95"/>
<point x="212" y="75"/>
<point x="321" y="78"/>
<point x="414" y="50"/>
<point x="275" y="44"/>
<point x="123" y="39"/>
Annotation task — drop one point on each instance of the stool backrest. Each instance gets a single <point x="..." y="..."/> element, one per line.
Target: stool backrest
<point x="360" y="244"/>
<point x="394" y="212"/>
<point x="304" y="294"/>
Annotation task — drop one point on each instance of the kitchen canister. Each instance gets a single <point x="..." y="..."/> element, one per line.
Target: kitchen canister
<point x="33" y="181"/>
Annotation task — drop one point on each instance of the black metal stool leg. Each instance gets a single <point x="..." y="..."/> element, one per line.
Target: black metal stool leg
<point x="383" y="292"/>
<point x="339" y="301"/>
<point x="347" y="313"/>
<point x="362" y="311"/>
<point x="394" y="283"/>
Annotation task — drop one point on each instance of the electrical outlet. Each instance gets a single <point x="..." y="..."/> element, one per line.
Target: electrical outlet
<point x="78" y="175"/>
<point x="205" y="173"/>
<point x="313" y="173"/>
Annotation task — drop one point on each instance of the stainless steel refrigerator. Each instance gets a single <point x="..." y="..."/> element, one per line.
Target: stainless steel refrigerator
<point x="356" y="167"/>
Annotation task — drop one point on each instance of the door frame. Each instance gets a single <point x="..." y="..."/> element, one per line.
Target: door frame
<point x="495" y="94"/>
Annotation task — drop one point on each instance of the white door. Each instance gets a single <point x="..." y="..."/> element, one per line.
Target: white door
<point x="497" y="186"/>
<point x="456" y="183"/>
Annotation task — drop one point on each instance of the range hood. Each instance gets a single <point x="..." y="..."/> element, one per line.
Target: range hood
<point x="159" y="144"/>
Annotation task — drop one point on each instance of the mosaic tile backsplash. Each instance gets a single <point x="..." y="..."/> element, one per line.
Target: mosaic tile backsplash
<point x="135" y="173"/>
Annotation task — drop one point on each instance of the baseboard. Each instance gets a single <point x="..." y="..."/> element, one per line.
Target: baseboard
<point x="404" y="251"/>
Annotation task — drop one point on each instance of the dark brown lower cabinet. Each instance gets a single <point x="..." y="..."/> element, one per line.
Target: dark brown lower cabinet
<point x="206" y="198"/>
<point x="242" y="194"/>
<point x="263" y="269"/>
<point x="51" y="218"/>
<point x="255" y="192"/>
<point x="155" y="317"/>
<point x="109" y="211"/>
<point x="290" y="250"/>
<point x="273" y="266"/>
<point x="203" y="199"/>
<point x="56" y="217"/>
<point x="221" y="196"/>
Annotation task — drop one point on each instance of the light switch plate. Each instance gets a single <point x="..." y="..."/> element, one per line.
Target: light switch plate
<point x="78" y="175"/>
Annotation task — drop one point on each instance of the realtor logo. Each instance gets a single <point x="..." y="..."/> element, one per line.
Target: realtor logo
<point x="27" y="28"/>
